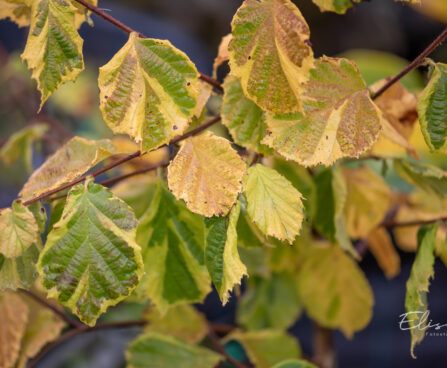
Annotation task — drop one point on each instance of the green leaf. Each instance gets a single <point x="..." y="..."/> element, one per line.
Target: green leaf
<point x="39" y="214"/>
<point x="273" y="203"/>
<point x="54" y="48"/>
<point x="152" y="350"/>
<point x="418" y="284"/>
<point x="429" y="178"/>
<point x="432" y="109"/>
<point x="69" y="162"/>
<point x="18" y="11"/>
<point x="339" y="120"/>
<point x="294" y="363"/>
<point x="244" y="119"/>
<point x="269" y="303"/>
<point x="334" y="290"/>
<point x="20" y="145"/>
<point x="221" y="254"/>
<point x="181" y="321"/>
<point x="270" y="53"/>
<point x="91" y="260"/>
<point x="149" y="91"/>
<point x="18" y="230"/>
<point x="207" y="174"/>
<point x="268" y="347"/>
<point x="337" y="6"/>
<point x="172" y="240"/>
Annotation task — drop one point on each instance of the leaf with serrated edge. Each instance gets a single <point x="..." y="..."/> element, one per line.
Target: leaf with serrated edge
<point x="207" y="174"/>
<point x="340" y="119"/>
<point x="418" y="283"/>
<point x="54" y="48"/>
<point x="267" y="347"/>
<point x="273" y="203"/>
<point x="244" y="119"/>
<point x="432" y="109"/>
<point x="221" y="254"/>
<point x="270" y="53"/>
<point x="13" y="319"/>
<point x="172" y="241"/>
<point x="18" y="230"/>
<point x="334" y="290"/>
<point x="152" y="350"/>
<point x="382" y="248"/>
<point x="91" y="260"/>
<point x="149" y="90"/>
<point x="18" y="11"/>
<point x="69" y="162"/>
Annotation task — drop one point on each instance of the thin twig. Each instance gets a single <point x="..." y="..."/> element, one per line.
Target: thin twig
<point x="143" y="170"/>
<point x="392" y="223"/>
<point x="196" y="130"/>
<point x="127" y="29"/>
<point x="413" y="65"/>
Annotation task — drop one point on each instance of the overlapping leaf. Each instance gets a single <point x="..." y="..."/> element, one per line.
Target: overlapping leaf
<point x="172" y="239"/>
<point x="418" y="284"/>
<point x="68" y="163"/>
<point x="339" y="120"/>
<point x="273" y="203"/>
<point x="244" y="119"/>
<point x="270" y="53"/>
<point x="334" y="291"/>
<point x="54" y="48"/>
<point x="91" y="260"/>
<point x="149" y="91"/>
<point x="152" y="350"/>
<point x="221" y="254"/>
<point x="207" y="174"/>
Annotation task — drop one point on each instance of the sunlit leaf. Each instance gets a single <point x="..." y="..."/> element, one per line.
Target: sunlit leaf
<point x="149" y="91"/>
<point x="54" y="48"/>
<point x="68" y="163"/>
<point x="270" y="53"/>
<point x="221" y="254"/>
<point x="339" y="120"/>
<point x="337" y="6"/>
<point x="418" y="284"/>
<point x="269" y="303"/>
<point x="273" y="203"/>
<point x="381" y="246"/>
<point x="172" y="240"/>
<point x="152" y="350"/>
<point x="13" y="319"/>
<point x="207" y="174"/>
<point x="18" y="11"/>
<point x="334" y="290"/>
<point x="244" y="119"/>
<point x="91" y="260"/>
<point x="267" y="347"/>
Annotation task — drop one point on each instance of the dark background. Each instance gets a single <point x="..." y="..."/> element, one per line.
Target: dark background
<point x="196" y="27"/>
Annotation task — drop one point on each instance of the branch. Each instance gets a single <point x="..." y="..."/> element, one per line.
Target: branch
<point x="413" y="65"/>
<point x="392" y="223"/>
<point x="127" y="29"/>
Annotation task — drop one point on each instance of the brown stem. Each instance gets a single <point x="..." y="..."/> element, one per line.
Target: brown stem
<point x="413" y="65"/>
<point x="127" y="29"/>
<point x="392" y="223"/>
<point x="324" y="354"/>
<point x="196" y="130"/>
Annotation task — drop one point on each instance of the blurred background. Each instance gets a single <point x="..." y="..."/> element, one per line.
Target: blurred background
<point x="380" y="35"/>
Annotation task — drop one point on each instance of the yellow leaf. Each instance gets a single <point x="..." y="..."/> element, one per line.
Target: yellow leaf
<point x="270" y="53"/>
<point x="223" y="53"/>
<point x="18" y="11"/>
<point x="69" y="162"/>
<point x="207" y="174"/>
<point x="367" y="203"/>
<point x="339" y="120"/>
<point x="382" y="248"/>
<point x="337" y="6"/>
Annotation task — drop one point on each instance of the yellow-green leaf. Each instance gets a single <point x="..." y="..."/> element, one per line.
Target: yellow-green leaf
<point x="221" y="254"/>
<point x="207" y="174"/>
<point x="382" y="248"/>
<point x="91" y="260"/>
<point x="244" y="119"/>
<point x="18" y="230"/>
<point x="54" y="48"/>
<point x="334" y="290"/>
<point x="18" y="11"/>
<point x="294" y="363"/>
<point x="149" y="90"/>
<point x="270" y="53"/>
<point x="339" y="120"/>
<point x="273" y="203"/>
<point x="68" y="163"/>
<point x="337" y="6"/>
<point x="418" y="283"/>
<point x="152" y="350"/>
